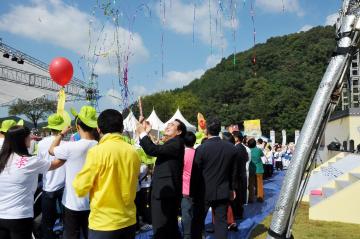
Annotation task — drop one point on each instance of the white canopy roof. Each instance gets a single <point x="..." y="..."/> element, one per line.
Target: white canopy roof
<point x="11" y="91"/>
<point x="155" y="122"/>
<point x="130" y="122"/>
<point x="179" y="116"/>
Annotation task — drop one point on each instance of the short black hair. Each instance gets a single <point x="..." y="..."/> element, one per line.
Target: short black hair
<point x="82" y="125"/>
<point x="260" y="141"/>
<point x="189" y="139"/>
<point x="203" y="140"/>
<point x="228" y="137"/>
<point x="213" y="126"/>
<point x="252" y="143"/>
<point x="181" y="127"/>
<point x="110" y="121"/>
<point x="238" y="134"/>
<point x="87" y="129"/>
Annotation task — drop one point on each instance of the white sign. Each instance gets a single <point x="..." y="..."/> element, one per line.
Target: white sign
<point x="283" y="132"/>
<point x="272" y="137"/>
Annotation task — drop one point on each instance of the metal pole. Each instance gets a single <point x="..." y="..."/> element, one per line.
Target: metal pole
<point x="309" y="133"/>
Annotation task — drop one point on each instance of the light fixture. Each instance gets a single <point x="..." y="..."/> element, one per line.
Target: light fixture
<point x="14" y="58"/>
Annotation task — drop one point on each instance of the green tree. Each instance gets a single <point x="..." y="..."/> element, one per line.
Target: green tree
<point x="278" y="90"/>
<point x="34" y="110"/>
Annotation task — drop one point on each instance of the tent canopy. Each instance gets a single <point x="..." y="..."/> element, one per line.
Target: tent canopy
<point x="10" y="91"/>
<point x="130" y="122"/>
<point x="155" y="122"/>
<point x="180" y="117"/>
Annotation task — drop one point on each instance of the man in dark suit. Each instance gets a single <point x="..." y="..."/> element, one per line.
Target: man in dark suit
<point x="241" y="189"/>
<point x="167" y="178"/>
<point x="213" y="179"/>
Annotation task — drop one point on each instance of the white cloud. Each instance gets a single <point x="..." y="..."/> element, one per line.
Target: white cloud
<point x="180" y="18"/>
<point x="114" y="97"/>
<point x="66" y="26"/>
<point x="179" y="79"/>
<point x="331" y="19"/>
<point x="139" y="90"/>
<point x="212" y="60"/>
<point x="305" y="28"/>
<point x="275" y="6"/>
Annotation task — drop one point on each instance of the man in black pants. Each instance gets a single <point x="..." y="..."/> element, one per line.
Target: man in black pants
<point x="53" y="181"/>
<point x="167" y="178"/>
<point x="241" y="189"/>
<point x="213" y="179"/>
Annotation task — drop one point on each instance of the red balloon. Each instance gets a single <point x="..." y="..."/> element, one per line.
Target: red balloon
<point x="61" y="70"/>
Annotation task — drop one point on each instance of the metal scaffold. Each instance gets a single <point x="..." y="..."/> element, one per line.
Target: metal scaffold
<point x="324" y="103"/>
<point x="76" y="89"/>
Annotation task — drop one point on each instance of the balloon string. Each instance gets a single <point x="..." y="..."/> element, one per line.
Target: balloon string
<point x="162" y="6"/>
<point x="210" y="28"/>
<point x="283" y="6"/>
<point x="233" y="12"/>
<point x="254" y="35"/>
<point x="193" y="33"/>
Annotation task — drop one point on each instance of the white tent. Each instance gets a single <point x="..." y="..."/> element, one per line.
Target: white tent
<point x="155" y="122"/>
<point x="180" y="117"/>
<point x="130" y="122"/>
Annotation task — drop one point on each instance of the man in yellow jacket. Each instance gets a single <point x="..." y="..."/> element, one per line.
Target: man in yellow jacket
<point x="110" y="175"/>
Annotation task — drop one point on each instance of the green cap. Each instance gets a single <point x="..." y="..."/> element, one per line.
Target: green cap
<point x="87" y="115"/>
<point x="7" y="124"/>
<point x="56" y="122"/>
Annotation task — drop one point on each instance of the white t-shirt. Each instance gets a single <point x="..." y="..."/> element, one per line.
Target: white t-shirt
<point x="144" y="179"/>
<point x="1" y="142"/>
<point x="18" y="184"/>
<point x="75" y="154"/>
<point x="277" y="156"/>
<point x="52" y="180"/>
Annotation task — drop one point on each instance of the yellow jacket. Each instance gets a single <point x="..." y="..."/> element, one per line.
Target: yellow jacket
<point x="110" y="174"/>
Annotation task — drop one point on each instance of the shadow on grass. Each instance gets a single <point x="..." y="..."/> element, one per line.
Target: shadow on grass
<point x="260" y="229"/>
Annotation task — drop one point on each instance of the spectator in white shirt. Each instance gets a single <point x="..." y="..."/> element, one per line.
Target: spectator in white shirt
<point x="18" y="181"/>
<point x="53" y="181"/>
<point x="76" y="209"/>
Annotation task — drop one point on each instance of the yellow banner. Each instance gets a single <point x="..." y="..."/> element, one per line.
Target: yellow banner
<point x="61" y="102"/>
<point x="61" y="107"/>
<point x="252" y="128"/>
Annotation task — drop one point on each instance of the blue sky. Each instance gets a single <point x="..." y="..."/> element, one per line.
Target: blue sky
<point x="49" y="28"/>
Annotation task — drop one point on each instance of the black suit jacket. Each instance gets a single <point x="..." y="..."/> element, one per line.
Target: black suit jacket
<point x="214" y="170"/>
<point x="241" y="160"/>
<point x="241" y="176"/>
<point x="167" y="177"/>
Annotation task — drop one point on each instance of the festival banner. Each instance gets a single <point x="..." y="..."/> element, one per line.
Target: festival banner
<point x="252" y="128"/>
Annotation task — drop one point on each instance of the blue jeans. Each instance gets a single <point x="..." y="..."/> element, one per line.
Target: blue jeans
<point x="187" y="215"/>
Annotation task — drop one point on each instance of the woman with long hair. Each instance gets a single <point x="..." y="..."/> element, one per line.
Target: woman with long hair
<point x="18" y="180"/>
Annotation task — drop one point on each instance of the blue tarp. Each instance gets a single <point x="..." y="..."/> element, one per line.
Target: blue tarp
<point x="254" y="213"/>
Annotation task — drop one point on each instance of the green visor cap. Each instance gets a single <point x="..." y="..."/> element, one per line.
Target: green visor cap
<point x="7" y="124"/>
<point x="87" y="115"/>
<point x="56" y="122"/>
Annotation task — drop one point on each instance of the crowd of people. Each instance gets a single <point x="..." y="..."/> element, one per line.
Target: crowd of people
<point x="104" y="185"/>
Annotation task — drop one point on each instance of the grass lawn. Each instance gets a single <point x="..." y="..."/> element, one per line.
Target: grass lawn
<point x="304" y="228"/>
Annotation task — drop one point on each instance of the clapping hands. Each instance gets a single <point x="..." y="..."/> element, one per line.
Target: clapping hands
<point x="143" y="126"/>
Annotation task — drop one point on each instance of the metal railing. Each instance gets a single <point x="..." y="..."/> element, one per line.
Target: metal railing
<point x="26" y="78"/>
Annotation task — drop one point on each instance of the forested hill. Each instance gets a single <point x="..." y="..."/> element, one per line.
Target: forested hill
<point x="278" y="89"/>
